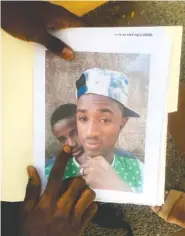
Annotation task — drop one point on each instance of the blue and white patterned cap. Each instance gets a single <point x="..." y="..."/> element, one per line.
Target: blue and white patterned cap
<point x="107" y="83"/>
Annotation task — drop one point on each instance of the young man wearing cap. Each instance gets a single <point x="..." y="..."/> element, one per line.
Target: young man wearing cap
<point x="102" y="112"/>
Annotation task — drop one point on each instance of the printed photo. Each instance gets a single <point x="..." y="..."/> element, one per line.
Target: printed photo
<point x="109" y="105"/>
<point x="97" y="104"/>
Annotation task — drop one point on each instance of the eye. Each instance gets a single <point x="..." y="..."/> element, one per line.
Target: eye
<point x="83" y="119"/>
<point x="62" y="139"/>
<point x="106" y="121"/>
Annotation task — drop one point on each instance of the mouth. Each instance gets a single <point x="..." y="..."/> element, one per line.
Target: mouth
<point x="92" y="145"/>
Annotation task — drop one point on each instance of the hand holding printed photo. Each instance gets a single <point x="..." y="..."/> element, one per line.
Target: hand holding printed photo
<point x="109" y="105"/>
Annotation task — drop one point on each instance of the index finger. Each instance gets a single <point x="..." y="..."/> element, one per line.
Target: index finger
<point x="57" y="173"/>
<point x="86" y="165"/>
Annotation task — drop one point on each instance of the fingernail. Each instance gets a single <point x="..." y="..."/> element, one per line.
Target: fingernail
<point x="67" y="148"/>
<point x="68" y="54"/>
<point x="30" y="171"/>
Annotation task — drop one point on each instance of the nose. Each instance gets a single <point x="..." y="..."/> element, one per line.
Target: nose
<point x="93" y="130"/>
<point x="70" y="142"/>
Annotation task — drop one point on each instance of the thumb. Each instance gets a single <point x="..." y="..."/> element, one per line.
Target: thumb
<point x="32" y="190"/>
<point x="57" y="46"/>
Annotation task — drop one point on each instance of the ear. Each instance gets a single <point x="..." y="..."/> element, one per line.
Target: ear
<point x="123" y="123"/>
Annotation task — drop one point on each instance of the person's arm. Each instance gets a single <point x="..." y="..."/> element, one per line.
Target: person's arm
<point x="173" y="209"/>
<point x="31" y="20"/>
<point x="65" y="207"/>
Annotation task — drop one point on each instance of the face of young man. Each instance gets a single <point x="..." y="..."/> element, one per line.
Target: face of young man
<point x="99" y="121"/>
<point x="66" y="132"/>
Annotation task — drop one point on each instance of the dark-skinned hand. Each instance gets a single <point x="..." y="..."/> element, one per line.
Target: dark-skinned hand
<point x="31" y="20"/>
<point x="65" y="207"/>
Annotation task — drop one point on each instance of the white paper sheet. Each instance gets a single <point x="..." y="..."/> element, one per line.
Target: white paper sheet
<point x="148" y="41"/>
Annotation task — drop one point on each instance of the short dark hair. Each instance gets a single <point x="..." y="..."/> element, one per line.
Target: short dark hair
<point x="64" y="111"/>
